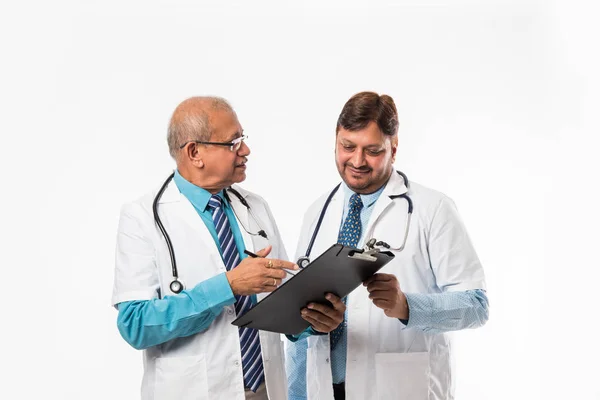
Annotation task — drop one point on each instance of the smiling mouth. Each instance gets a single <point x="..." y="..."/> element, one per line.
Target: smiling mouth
<point x="358" y="171"/>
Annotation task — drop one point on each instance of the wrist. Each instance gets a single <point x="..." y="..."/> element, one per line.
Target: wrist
<point x="230" y="279"/>
<point x="402" y="311"/>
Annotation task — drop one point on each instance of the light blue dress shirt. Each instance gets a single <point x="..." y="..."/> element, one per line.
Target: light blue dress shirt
<point x="147" y="323"/>
<point x="432" y="313"/>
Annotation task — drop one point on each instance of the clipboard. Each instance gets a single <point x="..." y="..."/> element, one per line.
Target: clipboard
<point x="339" y="270"/>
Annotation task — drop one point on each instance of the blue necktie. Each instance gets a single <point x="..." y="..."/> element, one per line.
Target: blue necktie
<point x="252" y="364"/>
<point x="349" y="236"/>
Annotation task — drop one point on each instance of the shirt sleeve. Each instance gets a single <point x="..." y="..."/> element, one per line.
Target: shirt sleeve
<point x="450" y="311"/>
<point x="295" y="365"/>
<point x="146" y="323"/>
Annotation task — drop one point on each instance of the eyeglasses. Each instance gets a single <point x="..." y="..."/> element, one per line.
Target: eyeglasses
<point x="234" y="145"/>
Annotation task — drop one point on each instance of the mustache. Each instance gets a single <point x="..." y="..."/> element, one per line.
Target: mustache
<point x="244" y="161"/>
<point x="363" y="168"/>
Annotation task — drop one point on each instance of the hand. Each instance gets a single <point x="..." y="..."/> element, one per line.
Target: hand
<point x="258" y="275"/>
<point x="324" y="318"/>
<point x="384" y="291"/>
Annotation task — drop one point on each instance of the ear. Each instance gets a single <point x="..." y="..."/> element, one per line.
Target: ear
<point x="394" y="143"/>
<point x="192" y="152"/>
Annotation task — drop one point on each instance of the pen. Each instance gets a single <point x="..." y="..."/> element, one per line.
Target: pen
<point x="251" y="254"/>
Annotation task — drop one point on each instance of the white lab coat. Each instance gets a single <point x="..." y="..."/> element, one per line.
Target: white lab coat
<point x="206" y="365"/>
<point x="385" y="359"/>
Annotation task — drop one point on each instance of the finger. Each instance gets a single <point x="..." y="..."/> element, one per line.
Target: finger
<point x="318" y="326"/>
<point x="383" y="304"/>
<point x="322" y="318"/>
<point x="275" y="273"/>
<point x="336" y="302"/>
<point x="265" y="289"/>
<point x="381" y="285"/>
<point x="382" y="294"/>
<point x="272" y="281"/>
<point x="282" y="264"/>
<point x="264" y="252"/>
<point x="323" y="309"/>
<point x="379" y="277"/>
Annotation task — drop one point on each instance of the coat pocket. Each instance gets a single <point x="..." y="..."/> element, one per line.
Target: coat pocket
<point x="402" y="376"/>
<point x="181" y="378"/>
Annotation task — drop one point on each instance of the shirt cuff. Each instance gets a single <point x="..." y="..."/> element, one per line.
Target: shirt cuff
<point x="215" y="291"/>
<point x="304" y="334"/>
<point x="420" y="309"/>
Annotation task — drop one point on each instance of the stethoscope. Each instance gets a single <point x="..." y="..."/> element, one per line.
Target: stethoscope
<point x="176" y="285"/>
<point x="371" y="244"/>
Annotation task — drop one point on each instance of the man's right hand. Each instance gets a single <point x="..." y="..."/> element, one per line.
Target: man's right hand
<point x="258" y="275"/>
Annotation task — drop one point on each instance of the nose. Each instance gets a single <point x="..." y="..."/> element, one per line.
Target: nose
<point x="357" y="159"/>
<point x="244" y="150"/>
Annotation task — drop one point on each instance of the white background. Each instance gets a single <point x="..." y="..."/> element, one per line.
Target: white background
<point x="498" y="104"/>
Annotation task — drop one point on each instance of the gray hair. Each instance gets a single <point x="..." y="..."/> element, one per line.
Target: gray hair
<point x="190" y="121"/>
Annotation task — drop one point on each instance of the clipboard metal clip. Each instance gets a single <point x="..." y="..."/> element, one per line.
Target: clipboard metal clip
<point x="372" y="247"/>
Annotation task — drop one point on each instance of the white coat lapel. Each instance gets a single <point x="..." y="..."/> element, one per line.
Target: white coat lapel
<point x="394" y="187"/>
<point x="330" y="227"/>
<point x="185" y="227"/>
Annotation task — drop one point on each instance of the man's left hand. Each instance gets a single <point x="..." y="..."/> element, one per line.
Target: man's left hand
<point x="384" y="291"/>
<point x="323" y="318"/>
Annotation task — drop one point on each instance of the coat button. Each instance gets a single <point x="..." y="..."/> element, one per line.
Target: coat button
<point x="327" y="360"/>
<point x="237" y="363"/>
<point x="229" y="311"/>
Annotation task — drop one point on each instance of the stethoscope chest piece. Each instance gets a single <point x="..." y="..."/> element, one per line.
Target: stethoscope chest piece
<point x="303" y="262"/>
<point x="176" y="286"/>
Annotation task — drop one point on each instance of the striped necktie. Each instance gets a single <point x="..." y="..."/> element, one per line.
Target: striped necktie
<point x="252" y="364"/>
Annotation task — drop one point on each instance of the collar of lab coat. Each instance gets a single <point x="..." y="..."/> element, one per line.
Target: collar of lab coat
<point x="395" y="186"/>
<point x="333" y="217"/>
<point x="172" y="194"/>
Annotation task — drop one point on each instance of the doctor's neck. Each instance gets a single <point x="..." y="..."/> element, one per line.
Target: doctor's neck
<point x="201" y="179"/>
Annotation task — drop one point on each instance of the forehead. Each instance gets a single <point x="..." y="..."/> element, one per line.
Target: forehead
<point x="369" y="135"/>
<point x="224" y="124"/>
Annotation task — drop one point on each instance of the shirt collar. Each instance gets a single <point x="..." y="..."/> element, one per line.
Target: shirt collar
<point x="367" y="199"/>
<point x="198" y="196"/>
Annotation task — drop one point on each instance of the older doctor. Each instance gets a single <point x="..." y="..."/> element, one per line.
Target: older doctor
<point x="191" y="349"/>
<point x="393" y="342"/>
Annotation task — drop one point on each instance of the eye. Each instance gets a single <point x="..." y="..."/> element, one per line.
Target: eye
<point x="374" y="152"/>
<point x="348" y="147"/>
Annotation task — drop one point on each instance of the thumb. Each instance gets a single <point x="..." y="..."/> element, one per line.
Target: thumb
<point x="264" y="252"/>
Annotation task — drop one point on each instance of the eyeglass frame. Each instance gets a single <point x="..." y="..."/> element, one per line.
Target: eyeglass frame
<point x="237" y="141"/>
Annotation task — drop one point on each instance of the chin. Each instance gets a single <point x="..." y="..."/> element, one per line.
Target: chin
<point x="356" y="184"/>
<point x="239" y="177"/>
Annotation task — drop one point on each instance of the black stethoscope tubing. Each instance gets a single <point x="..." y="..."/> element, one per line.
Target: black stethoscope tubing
<point x="176" y="286"/>
<point x="305" y="260"/>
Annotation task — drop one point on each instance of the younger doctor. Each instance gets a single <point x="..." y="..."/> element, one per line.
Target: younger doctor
<point x="191" y="349"/>
<point x="393" y="342"/>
